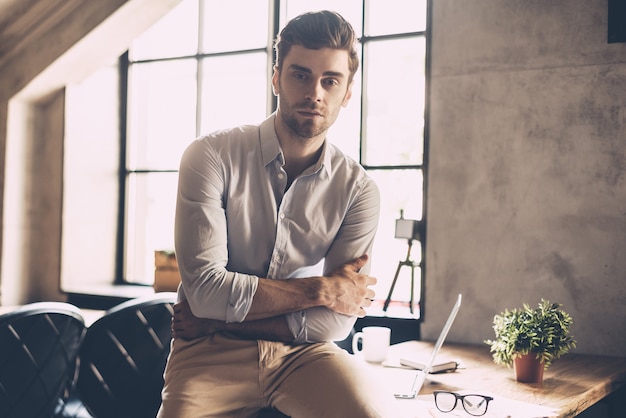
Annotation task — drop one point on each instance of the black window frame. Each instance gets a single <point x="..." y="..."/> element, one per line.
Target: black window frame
<point x="124" y="65"/>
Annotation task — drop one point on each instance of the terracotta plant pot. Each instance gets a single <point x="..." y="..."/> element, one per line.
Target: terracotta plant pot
<point x="528" y="369"/>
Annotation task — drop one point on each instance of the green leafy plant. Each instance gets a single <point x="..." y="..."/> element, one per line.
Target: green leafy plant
<point x="544" y="330"/>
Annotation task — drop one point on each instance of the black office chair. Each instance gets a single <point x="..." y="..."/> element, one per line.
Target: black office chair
<point x="123" y="358"/>
<point x="39" y="343"/>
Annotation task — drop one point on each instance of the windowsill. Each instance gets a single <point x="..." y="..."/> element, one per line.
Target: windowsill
<point x="104" y="295"/>
<point x="396" y="309"/>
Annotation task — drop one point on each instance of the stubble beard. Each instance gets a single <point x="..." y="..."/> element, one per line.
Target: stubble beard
<point x="306" y="129"/>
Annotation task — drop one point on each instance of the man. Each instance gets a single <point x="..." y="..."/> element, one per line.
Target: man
<point x="273" y="230"/>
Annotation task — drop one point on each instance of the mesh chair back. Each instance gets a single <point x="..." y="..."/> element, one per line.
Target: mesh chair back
<point x="39" y="344"/>
<point x="123" y="358"/>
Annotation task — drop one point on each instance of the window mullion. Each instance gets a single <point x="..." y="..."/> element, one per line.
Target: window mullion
<point x="199" y="64"/>
<point x="124" y="69"/>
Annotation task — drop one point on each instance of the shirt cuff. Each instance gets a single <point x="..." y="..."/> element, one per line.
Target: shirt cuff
<point x="297" y="325"/>
<point x="240" y="298"/>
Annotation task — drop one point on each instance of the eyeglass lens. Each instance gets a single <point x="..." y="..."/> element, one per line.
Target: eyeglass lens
<point x="473" y="404"/>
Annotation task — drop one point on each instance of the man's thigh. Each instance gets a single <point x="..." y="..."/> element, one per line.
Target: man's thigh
<point x="323" y="380"/>
<point x="208" y="378"/>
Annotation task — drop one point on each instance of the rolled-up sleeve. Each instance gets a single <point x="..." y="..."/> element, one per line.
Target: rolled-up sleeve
<point x="318" y="325"/>
<point x="201" y="240"/>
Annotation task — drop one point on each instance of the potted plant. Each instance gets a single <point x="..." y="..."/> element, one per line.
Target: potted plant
<point x="531" y="337"/>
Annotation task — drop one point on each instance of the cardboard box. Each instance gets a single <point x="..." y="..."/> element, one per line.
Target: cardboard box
<point x="166" y="274"/>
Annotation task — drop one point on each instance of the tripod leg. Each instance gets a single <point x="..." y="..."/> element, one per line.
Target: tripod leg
<point x="393" y="284"/>
<point x="412" y="287"/>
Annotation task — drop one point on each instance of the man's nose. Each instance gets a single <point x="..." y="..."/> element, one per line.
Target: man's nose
<point x="315" y="91"/>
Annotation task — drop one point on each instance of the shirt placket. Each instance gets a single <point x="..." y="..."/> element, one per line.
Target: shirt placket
<point x="282" y="223"/>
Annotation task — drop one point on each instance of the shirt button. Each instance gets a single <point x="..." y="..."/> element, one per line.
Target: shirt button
<point x="282" y="215"/>
<point x="281" y="175"/>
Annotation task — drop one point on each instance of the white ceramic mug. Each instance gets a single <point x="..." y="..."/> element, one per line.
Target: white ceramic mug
<point x="374" y="343"/>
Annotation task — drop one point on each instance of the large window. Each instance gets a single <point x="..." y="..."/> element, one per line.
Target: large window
<point x="207" y="65"/>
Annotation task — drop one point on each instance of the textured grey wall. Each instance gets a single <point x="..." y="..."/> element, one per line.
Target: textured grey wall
<point x="527" y="175"/>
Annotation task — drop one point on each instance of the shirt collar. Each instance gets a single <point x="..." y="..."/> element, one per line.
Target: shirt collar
<point x="270" y="147"/>
<point x="325" y="160"/>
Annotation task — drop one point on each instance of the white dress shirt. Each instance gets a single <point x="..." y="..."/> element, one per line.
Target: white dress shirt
<point x="235" y="223"/>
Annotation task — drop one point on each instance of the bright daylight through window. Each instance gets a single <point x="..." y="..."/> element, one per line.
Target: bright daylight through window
<point x="207" y="65"/>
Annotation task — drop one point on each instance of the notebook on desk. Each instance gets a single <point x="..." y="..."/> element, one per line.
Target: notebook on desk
<point x="441" y="366"/>
<point x="415" y="386"/>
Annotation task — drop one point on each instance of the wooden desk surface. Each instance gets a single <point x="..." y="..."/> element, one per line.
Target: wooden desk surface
<point x="572" y="383"/>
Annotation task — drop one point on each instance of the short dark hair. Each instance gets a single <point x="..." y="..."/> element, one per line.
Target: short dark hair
<point x="316" y="30"/>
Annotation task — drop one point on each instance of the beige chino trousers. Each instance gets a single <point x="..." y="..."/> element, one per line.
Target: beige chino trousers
<point x="220" y="376"/>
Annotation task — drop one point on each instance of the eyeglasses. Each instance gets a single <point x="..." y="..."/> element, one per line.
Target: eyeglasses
<point x="475" y="405"/>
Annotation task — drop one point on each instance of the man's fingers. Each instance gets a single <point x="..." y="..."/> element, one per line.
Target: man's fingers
<point x="358" y="263"/>
<point x="177" y="325"/>
<point x="175" y="328"/>
<point x="181" y="306"/>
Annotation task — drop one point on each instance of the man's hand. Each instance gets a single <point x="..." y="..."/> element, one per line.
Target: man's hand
<point x="187" y="326"/>
<point x="348" y="289"/>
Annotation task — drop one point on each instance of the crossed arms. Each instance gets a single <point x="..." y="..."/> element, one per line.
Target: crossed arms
<point x="344" y="292"/>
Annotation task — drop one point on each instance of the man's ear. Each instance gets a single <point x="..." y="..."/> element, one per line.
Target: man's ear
<point x="348" y="95"/>
<point x="276" y="81"/>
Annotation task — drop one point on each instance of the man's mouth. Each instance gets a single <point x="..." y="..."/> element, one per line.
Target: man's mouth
<point x="309" y="113"/>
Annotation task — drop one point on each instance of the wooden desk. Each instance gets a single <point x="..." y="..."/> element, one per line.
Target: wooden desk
<point x="571" y="384"/>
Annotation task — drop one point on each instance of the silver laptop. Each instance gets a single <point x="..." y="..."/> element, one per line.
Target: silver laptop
<point x="420" y="375"/>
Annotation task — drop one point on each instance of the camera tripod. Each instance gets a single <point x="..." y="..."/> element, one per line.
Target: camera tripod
<point x="406" y="262"/>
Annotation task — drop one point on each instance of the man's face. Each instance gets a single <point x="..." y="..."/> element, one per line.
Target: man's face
<point x="312" y="86"/>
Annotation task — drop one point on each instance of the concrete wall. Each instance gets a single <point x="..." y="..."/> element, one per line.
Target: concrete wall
<point x="527" y="176"/>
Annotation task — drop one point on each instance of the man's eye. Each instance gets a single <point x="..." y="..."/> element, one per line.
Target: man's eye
<point x="331" y="82"/>
<point x="299" y="76"/>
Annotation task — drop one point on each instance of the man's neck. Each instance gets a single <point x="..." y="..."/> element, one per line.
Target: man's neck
<point x="300" y="153"/>
<point x="295" y="166"/>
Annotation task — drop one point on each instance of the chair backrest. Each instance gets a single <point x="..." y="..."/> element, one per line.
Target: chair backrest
<point x="39" y="344"/>
<point x="123" y="358"/>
